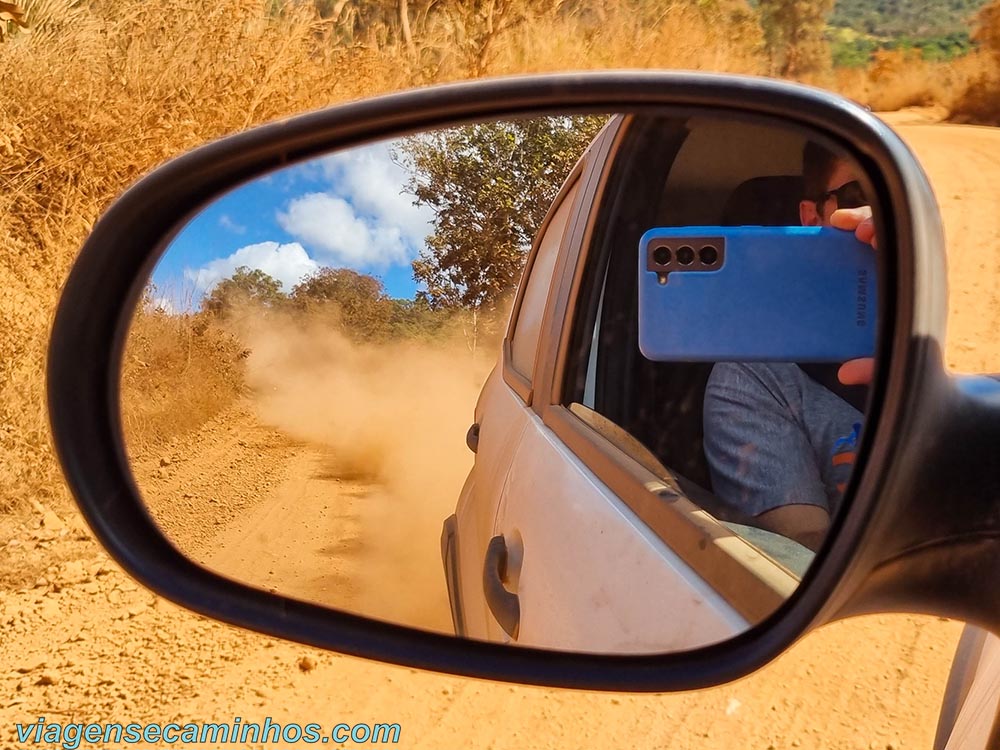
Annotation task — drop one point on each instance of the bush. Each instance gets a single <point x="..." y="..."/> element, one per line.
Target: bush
<point x="178" y="372"/>
<point x="980" y="101"/>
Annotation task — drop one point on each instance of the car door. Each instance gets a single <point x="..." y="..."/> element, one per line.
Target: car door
<point x="503" y="413"/>
<point x="601" y="546"/>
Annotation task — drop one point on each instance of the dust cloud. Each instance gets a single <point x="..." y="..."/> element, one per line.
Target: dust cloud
<point x="392" y="417"/>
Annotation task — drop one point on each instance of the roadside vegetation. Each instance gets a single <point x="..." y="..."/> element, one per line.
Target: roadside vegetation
<point x="184" y="361"/>
<point x="95" y="93"/>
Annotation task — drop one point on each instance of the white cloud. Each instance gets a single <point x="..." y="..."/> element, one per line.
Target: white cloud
<point x="333" y="227"/>
<point x="365" y="219"/>
<point x="375" y="185"/>
<point x="286" y="263"/>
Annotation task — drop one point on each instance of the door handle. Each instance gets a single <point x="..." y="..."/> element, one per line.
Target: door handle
<point x="504" y="605"/>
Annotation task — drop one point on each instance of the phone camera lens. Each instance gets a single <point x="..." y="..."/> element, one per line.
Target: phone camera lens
<point x="708" y="255"/>
<point x="685" y="255"/>
<point x="661" y="255"/>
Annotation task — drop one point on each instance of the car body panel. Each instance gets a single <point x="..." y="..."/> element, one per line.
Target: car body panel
<point x="483" y="494"/>
<point x="592" y="574"/>
<point x="972" y="695"/>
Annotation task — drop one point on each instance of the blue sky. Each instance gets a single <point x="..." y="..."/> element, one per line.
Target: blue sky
<point x="347" y="210"/>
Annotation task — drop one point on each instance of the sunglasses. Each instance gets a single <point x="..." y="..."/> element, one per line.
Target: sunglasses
<point x="848" y="195"/>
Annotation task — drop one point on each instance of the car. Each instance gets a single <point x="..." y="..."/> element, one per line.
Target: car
<point x="640" y="172"/>
<point x="590" y="547"/>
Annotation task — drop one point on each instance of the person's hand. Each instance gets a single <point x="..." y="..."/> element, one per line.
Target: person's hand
<point x="859" y="221"/>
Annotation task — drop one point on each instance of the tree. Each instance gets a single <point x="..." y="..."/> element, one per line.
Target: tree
<point x="358" y="300"/>
<point x="490" y="186"/>
<point x="795" y="36"/>
<point x="416" y="319"/>
<point x="246" y="287"/>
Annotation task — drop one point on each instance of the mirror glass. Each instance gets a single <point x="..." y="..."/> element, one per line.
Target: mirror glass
<point x="338" y="387"/>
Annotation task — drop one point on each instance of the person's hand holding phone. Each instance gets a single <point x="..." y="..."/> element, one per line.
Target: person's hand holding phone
<point x="860" y="221"/>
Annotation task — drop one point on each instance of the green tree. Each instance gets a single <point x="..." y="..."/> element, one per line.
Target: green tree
<point x="357" y="300"/>
<point x="795" y="37"/>
<point x="490" y="186"/>
<point x="416" y="319"/>
<point x="245" y="288"/>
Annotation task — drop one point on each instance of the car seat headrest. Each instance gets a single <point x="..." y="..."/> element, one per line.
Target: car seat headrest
<point x="765" y="201"/>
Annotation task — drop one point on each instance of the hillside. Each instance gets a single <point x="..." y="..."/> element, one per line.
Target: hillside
<point x="914" y="19"/>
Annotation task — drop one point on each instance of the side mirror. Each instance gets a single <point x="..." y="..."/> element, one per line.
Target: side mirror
<point x="266" y="418"/>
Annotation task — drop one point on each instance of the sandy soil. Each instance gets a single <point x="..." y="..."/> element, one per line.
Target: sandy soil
<point x="80" y="642"/>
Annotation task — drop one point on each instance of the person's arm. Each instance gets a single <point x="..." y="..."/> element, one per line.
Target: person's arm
<point x="806" y="524"/>
<point x="759" y="455"/>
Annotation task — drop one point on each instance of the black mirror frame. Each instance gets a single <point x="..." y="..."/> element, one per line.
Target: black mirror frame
<point x="864" y="564"/>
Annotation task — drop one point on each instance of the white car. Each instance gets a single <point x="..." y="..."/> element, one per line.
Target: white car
<point x="582" y="524"/>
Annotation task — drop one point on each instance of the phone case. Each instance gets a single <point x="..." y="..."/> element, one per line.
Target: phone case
<point x="772" y="294"/>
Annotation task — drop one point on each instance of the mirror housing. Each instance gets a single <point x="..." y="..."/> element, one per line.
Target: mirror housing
<point x="895" y="548"/>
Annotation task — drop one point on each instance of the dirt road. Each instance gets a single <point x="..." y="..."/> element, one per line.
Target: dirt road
<point x="252" y="504"/>
<point x="79" y="641"/>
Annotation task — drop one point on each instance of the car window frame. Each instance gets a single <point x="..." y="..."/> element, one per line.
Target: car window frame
<point x="580" y="178"/>
<point x="753" y="583"/>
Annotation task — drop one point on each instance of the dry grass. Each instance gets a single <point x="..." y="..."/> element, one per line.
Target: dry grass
<point x="104" y="90"/>
<point x="980" y="101"/>
<point x="901" y="78"/>
<point x="179" y="371"/>
<point x="692" y="36"/>
<point x="90" y="101"/>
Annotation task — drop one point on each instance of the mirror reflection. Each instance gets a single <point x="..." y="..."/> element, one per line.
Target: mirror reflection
<point x="339" y="387"/>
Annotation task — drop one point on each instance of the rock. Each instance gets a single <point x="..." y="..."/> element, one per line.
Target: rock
<point x="51" y="521"/>
<point x="165" y="461"/>
<point x="75" y="572"/>
<point x="50" y="610"/>
<point x="30" y="666"/>
<point x="306" y="664"/>
<point x="97" y="568"/>
<point x="47" y="679"/>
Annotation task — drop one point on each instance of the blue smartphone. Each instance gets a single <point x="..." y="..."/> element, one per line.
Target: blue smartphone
<point x="756" y="294"/>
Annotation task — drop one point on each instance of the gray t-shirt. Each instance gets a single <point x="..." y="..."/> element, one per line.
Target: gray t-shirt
<point x="774" y="437"/>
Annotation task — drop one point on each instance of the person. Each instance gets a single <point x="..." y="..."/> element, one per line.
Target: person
<point x="780" y="438"/>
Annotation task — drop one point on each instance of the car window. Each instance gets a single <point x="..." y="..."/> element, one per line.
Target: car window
<point x="670" y="172"/>
<point x="524" y="340"/>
